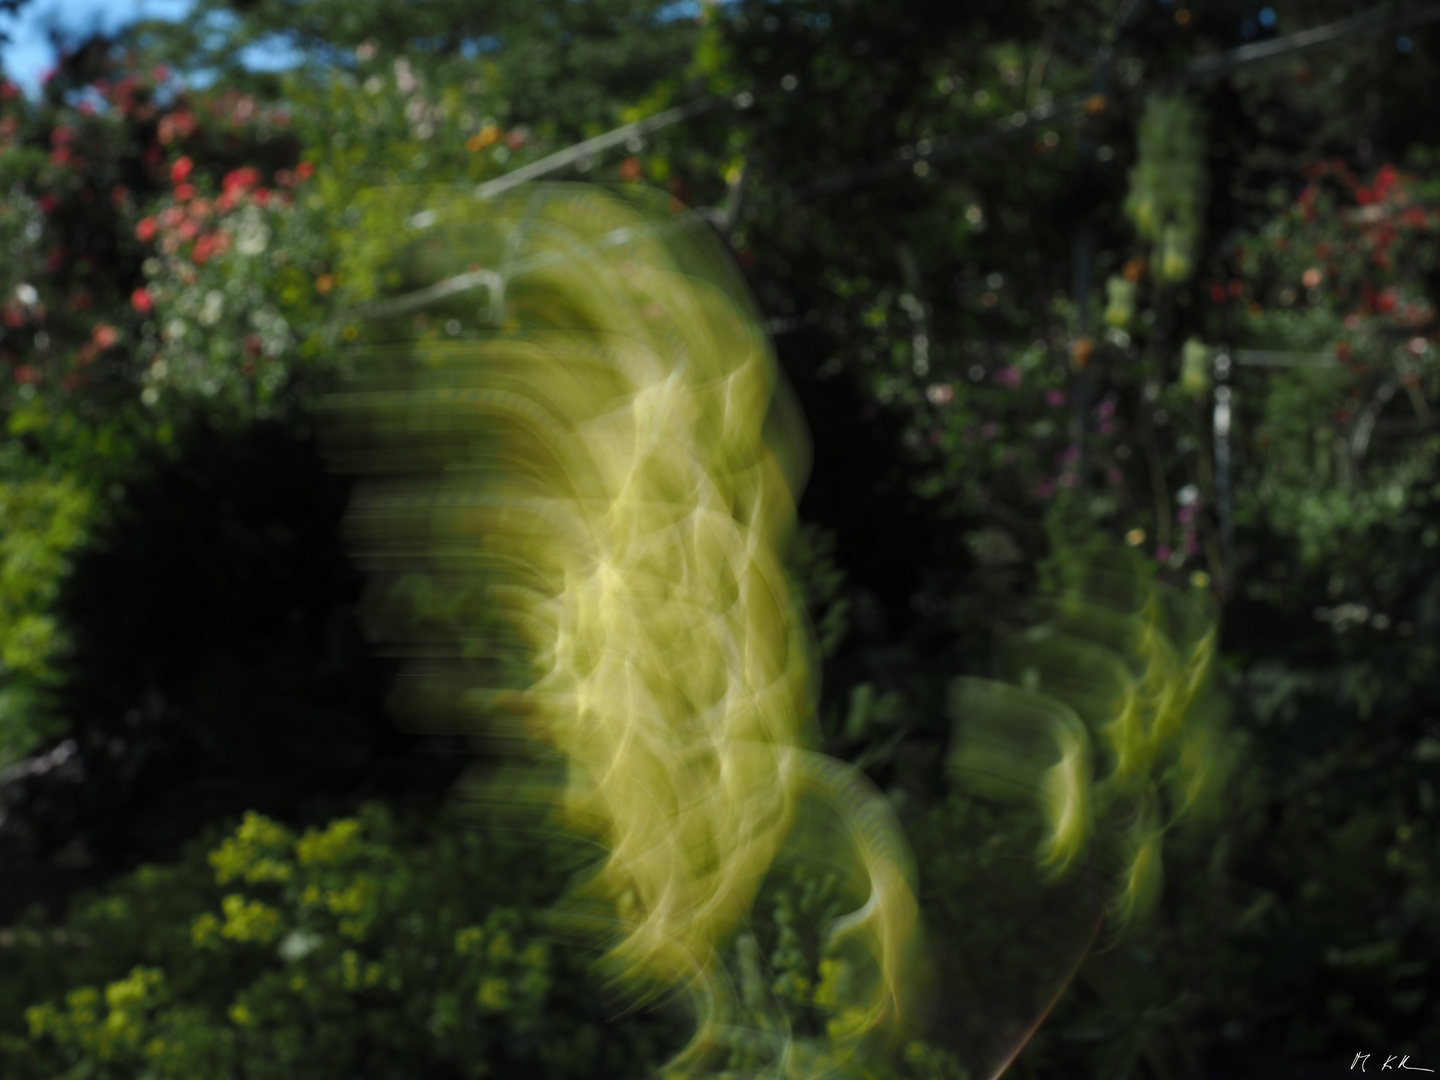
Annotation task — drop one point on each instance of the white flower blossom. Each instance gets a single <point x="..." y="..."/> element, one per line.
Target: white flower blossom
<point x="213" y="309"/>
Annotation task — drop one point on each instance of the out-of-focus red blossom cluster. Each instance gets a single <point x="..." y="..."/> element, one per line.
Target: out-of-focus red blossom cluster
<point x="180" y="124"/>
<point x="1349" y="239"/>
<point x="87" y="321"/>
<point x="194" y="219"/>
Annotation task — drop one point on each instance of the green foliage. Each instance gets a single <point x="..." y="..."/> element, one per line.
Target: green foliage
<point x="958" y="396"/>
<point x="573" y="66"/>
<point x="786" y="987"/>
<point x="43" y="521"/>
<point x="366" y="945"/>
<point x="1167" y="185"/>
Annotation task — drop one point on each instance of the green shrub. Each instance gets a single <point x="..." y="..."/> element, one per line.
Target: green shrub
<point x="365" y="948"/>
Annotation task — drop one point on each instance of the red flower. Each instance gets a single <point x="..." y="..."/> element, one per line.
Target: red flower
<point x="305" y="170"/>
<point x="204" y="248"/>
<point x="47" y="203"/>
<point x="26" y="375"/>
<point x="1385" y="179"/>
<point x="141" y="302"/>
<point x="239" y="181"/>
<point x="1217" y="294"/>
<point x="104" y="335"/>
<point x="145" y="231"/>
<point x="14" y="317"/>
<point x="262" y="196"/>
<point x="185" y="191"/>
<point x="187" y="230"/>
<point x="180" y="170"/>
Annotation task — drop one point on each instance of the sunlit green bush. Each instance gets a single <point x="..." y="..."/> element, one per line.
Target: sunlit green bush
<point x="363" y="947"/>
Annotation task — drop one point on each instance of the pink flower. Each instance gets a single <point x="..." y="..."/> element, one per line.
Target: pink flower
<point x="1008" y="377"/>
<point x="180" y="170"/>
<point x="1163" y="553"/>
<point x="104" y="335"/>
<point x="145" y="231"/>
<point x="1055" y="398"/>
<point x="141" y="302"/>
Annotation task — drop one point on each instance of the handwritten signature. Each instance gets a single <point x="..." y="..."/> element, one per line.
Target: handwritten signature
<point x="1360" y="1060"/>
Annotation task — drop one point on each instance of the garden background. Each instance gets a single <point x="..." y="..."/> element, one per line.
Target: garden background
<point x="1152" y="274"/>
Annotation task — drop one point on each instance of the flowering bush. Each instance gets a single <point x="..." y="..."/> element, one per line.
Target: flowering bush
<point x="1340" y="276"/>
<point x="357" y="946"/>
<point x="174" y="251"/>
